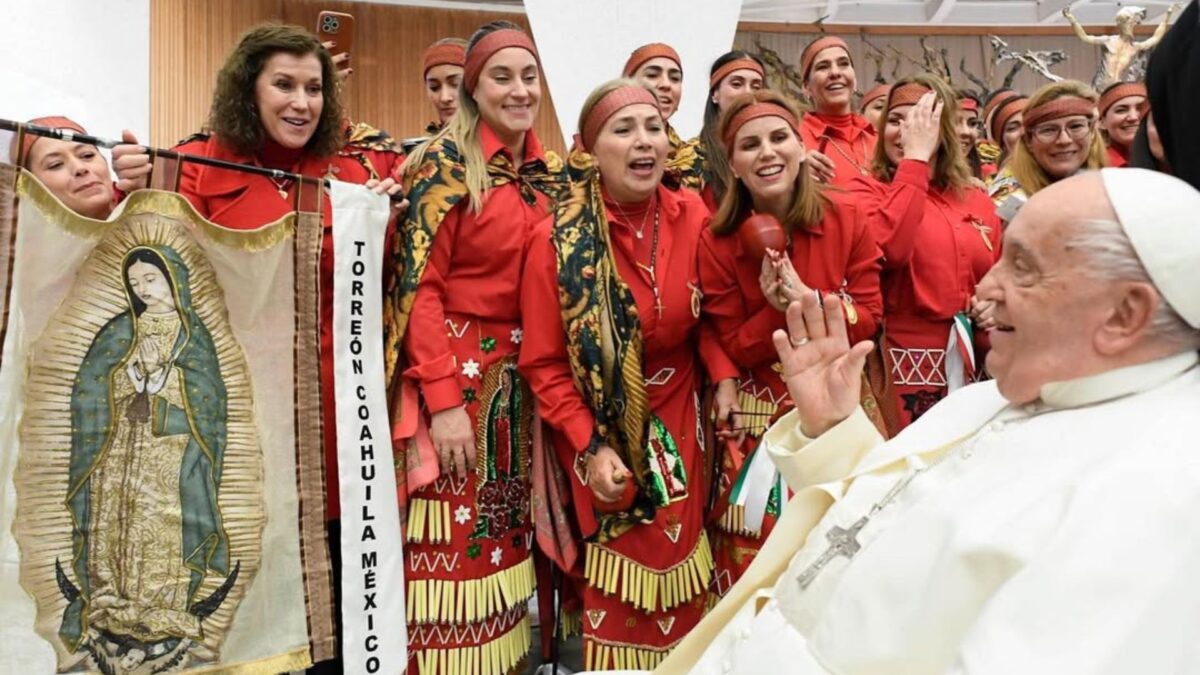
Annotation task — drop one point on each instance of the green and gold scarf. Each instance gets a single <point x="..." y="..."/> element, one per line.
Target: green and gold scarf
<point x="604" y="337"/>
<point x="685" y="161"/>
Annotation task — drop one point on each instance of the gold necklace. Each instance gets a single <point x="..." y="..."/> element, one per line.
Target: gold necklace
<point x="638" y="231"/>
<point x="861" y="169"/>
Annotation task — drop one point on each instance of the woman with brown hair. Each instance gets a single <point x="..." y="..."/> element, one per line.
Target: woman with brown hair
<point x="442" y="70"/>
<point x="939" y="234"/>
<point x="615" y="352"/>
<point x="733" y="73"/>
<point x="833" y="129"/>
<point x="659" y="67"/>
<point x="1121" y="111"/>
<point x="821" y="244"/>
<point x="1059" y="138"/>
<point x="462" y="414"/>
<point x="276" y="105"/>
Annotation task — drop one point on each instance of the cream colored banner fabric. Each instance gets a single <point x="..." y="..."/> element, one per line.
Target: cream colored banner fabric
<point x="153" y="480"/>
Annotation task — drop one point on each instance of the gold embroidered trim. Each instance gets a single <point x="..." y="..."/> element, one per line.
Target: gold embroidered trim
<point x="498" y="657"/>
<point x="472" y="600"/>
<point x="153" y="203"/>
<point x="297" y="659"/>
<point x="602" y="655"/>
<point x="734" y="521"/>
<point x="429" y="521"/>
<point x="648" y="589"/>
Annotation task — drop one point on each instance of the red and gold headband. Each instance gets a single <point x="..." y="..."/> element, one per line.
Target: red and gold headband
<point x="969" y="104"/>
<point x="49" y="122"/>
<point x="753" y="112"/>
<point x="736" y="64"/>
<point x="606" y="107"/>
<point x="445" y="54"/>
<point x="487" y="46"/>
<point x="1065" y="106"/>
<point x="876" y="92"/>
<point x="1118" y="92"/>
<point x="644" y="53"/>
<point x="816" y="47"/>
<point x="907" y="94"/>
<point x="1004" y="113"/>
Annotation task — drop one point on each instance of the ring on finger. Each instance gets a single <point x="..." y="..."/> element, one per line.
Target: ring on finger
<point x="799" y="342"/>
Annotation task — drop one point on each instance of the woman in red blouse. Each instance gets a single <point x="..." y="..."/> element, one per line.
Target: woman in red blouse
<point x="464" y="419"/>
<point x="839" y="141"/>
<point x="827" y="248"/>
<point x="1121" y="111"/>
<point x="940" y="235"/>
<point x="276" y="105"/>
<point x="615" y="355"/>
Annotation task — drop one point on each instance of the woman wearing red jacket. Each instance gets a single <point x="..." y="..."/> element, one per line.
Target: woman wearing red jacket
<point x="825" y="246"/>
<point x="939" y="234"/>
<point x="615" y="352"/>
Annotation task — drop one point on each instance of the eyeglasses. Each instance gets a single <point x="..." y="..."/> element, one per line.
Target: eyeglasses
<point x="1077" y="129"/>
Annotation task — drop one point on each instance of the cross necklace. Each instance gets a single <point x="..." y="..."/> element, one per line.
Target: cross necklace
<point x="650" y="269"/>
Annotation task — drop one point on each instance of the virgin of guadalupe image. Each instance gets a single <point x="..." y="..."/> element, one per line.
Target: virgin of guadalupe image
<point x="149" y="425"/>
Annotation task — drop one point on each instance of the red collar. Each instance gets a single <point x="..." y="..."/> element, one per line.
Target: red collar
<point x="492" y="144"/>
<point x="841" y="124"/>
<point x="213" y="181"/>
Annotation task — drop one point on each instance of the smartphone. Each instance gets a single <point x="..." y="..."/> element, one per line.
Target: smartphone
<point x="337" y="27"/>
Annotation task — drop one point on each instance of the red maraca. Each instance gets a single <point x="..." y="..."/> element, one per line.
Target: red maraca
<point x="762" y="231"/>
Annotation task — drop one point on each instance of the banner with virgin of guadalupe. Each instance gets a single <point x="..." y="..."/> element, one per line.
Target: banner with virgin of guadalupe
<point x="160" y="453"/>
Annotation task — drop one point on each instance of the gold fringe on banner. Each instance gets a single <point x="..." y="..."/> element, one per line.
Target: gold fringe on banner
<point x="734" y="521"/>
<point x="429" y="521"/>
<point x="598" y="655"/>
<point x="498" y="657"/>
<point x="469" y="601"/>
<point x="648" y="589"/>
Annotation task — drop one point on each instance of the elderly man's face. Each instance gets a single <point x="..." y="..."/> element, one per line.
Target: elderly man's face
<point x="1048" y="309"/>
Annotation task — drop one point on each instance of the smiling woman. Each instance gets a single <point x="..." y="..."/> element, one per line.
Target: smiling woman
<point x="822" y="245"/>
<point x="75" y="172"/>
<point x="833" y="130"/>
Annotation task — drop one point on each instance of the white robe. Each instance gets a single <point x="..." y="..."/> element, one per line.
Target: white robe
<point x="1060" y="537"/>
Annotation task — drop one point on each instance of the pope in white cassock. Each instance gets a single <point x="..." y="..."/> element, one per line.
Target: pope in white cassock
<point x="1044" y="522"/>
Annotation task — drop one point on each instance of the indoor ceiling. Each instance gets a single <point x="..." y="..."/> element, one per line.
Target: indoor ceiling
<point x="892" y="12"/>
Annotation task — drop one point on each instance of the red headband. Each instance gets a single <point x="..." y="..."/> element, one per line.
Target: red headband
<point x="478" y="55"/>
<point x="446" y="54"/>
<point x="50" y="122"/>
<point x="644" y="53"/>
<point x="606" y="107"/>
<point x="1065" y="106"/>
<point x="878" y="91"/>
<point x="997" y="101"/>
<point x="753" y="112"/>
<point x="816" y="47"/>
<point x="1004" y="113"/>
<point x="736" y="64"/>
<point x="907" y="94"/>
<point x="1118" y="92"/>
<point x="968" y="103"/>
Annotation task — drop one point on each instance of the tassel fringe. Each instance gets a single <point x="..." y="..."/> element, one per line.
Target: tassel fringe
<point x="600" y="656"/>
<point x="647" y="589"/>
<point x="428" y="520"/>
<point x="457" y="602"/>
<point x="570" y="624"/>
<point x="498" y="657"/>
<point x="734" y="521"/>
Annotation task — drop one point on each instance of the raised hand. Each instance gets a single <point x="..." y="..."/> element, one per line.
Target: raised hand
<point x="822" y="371"/>
<point x="920" y="129"/>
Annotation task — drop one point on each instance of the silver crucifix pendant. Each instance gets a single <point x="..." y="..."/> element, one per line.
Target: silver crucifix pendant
<point x="842" y="542"/>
